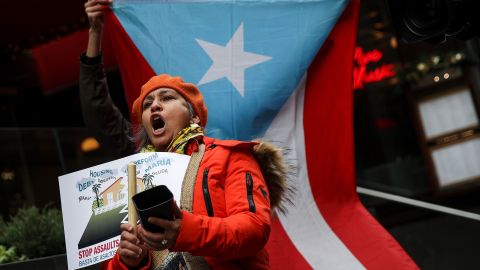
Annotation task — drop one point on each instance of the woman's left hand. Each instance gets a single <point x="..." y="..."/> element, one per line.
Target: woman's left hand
<point x="165" y="240"/>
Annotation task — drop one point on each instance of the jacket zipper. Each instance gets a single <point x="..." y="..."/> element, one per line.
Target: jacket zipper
<point x="206" y="193"/>
<point x="251" y="203"/>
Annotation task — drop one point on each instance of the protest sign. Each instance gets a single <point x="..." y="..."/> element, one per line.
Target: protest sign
<point x="95" y="202"/>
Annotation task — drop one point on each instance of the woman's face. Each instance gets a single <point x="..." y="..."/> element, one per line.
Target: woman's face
<point x="165" y="113"/>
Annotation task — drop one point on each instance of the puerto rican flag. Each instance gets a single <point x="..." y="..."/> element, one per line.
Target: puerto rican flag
<point x="278" y="70"/>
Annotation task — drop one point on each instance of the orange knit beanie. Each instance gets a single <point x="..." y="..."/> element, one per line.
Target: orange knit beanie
<point x="188" y="90"/>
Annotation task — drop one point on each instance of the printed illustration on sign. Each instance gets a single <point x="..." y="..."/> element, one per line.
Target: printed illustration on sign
<point x="110" y="204"/>
<point x="109" y="210"/>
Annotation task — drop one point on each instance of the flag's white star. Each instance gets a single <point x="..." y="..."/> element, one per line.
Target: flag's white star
<point x="230" y="61"/>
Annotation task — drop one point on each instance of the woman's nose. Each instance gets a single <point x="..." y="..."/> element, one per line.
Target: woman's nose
<point x="156" y="106"/>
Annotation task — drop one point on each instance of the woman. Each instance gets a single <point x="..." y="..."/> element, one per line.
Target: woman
<point x="229" y="223"/>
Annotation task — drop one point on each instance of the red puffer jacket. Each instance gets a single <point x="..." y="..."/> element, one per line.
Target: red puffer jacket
<point x="230" y="222"/>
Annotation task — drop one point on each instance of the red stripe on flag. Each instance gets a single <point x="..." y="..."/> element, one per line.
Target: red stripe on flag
<point x="282" y="252"/>
<point x="129" y="58"/>
<point x="328" y="127"/>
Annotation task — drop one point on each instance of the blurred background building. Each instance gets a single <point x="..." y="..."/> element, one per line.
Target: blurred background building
<point x="416" y="100"/>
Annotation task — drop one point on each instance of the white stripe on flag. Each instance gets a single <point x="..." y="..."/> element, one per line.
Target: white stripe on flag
<point x="304" y="223"/>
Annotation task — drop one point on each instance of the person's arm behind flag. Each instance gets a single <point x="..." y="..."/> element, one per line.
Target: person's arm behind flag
<point x="99" y="112"/>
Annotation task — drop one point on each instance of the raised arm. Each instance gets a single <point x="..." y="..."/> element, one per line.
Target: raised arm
<point x="99" y="112"/>
<point x="94" y="10"/>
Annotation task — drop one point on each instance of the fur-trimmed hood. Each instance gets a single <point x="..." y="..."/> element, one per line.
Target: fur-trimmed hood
<point x="275" y="172"/>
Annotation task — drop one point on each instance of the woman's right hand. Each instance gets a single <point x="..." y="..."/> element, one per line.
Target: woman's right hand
<point x="94" y="10"/>
<point x="131" y="250"/>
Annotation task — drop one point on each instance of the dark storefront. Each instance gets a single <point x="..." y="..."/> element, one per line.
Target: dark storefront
<point x="416" y="135"/>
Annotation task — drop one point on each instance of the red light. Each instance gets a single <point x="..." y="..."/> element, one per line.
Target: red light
<point x="360" y="74"/>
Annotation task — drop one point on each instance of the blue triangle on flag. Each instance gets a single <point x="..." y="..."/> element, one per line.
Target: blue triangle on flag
<point x="247" y="57"/>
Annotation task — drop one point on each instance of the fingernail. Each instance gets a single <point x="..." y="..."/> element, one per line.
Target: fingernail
<point x="138" y="255"/>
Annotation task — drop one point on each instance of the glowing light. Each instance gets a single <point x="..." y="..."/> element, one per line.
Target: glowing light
<point x="7" y="175"/>
<point x="373" y="14"/>
<point x="446" y="75"/>
<point x="378" y="35"/>
<point x="436" y="79"/>
<point x="378" y="25"/>
<point x="89" y="144"/>
<point x="421" y="66"/>
<point x="360" y="74"/>
<point x="436" y="59"/>
<point x="393" y="42"/>
<point x="364" y="58"/>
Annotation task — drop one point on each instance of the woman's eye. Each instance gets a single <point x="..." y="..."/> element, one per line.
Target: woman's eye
<point x="165" y="98"/>
<point x="146" y="105"/>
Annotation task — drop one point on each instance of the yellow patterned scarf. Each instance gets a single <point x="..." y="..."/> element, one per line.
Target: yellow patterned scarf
<point x="180" y="142"/>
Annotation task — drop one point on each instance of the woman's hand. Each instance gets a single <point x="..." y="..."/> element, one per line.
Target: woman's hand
<point x="131" y="249"/>
<point x="94" y="10"/>
<point x="165" y="240"/>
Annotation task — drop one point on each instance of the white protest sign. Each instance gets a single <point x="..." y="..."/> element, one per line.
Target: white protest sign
<point x="95" y="202"/>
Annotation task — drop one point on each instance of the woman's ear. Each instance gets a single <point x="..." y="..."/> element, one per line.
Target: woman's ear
<point x="195" y="120"/>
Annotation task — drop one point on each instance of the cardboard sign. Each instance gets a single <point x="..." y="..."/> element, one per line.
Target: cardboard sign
<point x="95" y="202"/>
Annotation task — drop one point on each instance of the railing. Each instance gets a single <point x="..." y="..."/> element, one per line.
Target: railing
<point x="417" y="203"/>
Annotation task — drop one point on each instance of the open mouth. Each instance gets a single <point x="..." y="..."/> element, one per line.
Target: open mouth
<point x="157" y="123"/>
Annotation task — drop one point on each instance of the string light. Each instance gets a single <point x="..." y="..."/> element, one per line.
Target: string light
<point x="439" y="63"/>
<point x="421" y="66"/>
